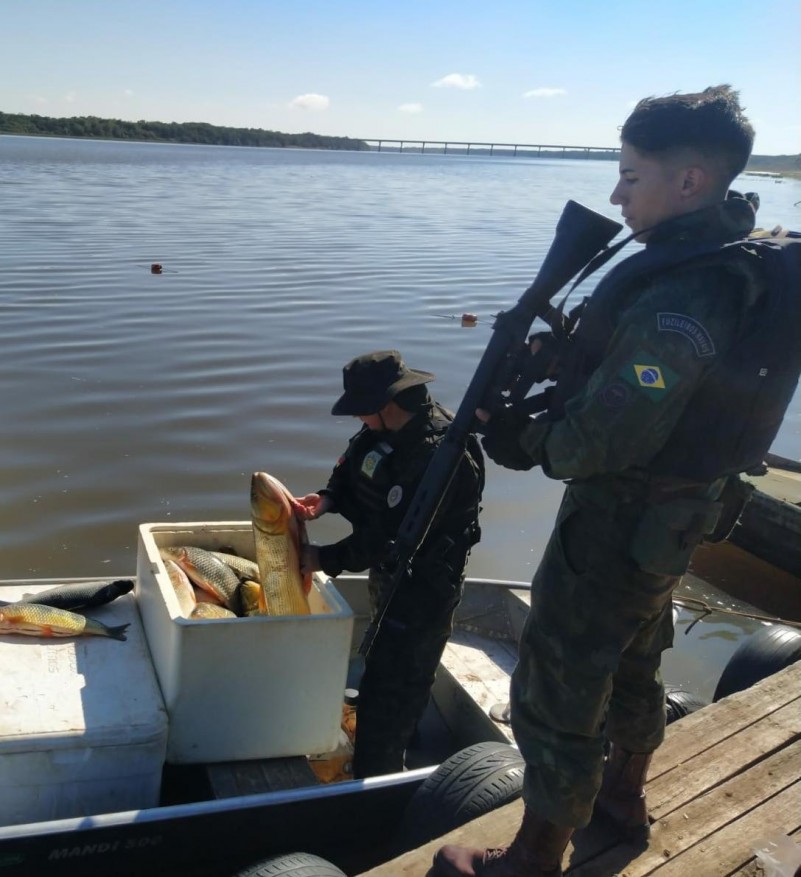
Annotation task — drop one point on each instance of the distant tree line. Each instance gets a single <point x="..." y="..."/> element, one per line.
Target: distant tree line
<point x="167" y="132"/>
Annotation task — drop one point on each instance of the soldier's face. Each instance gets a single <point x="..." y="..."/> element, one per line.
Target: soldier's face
<point x="372" y="421"/>
<point x="649" y="190"/>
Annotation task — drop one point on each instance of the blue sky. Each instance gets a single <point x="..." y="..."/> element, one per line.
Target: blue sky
<point x="513" y="71"/>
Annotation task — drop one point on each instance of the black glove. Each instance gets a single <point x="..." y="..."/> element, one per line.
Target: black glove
<point x="501" y="440"/>
<point x="540" y="366"/>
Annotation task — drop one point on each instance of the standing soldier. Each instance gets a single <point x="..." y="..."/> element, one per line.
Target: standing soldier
<point x="670" y="385"/>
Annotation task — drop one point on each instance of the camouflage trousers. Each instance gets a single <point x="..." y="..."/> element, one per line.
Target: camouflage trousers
<point x="401" y="666"/>
<point x="590" y="653"/>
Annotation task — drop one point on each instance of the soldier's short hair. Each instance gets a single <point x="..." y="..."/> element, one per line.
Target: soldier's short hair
<point x="710" y="121"/>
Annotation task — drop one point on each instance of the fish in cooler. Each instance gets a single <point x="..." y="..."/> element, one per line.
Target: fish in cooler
<point x="207" y="572"/>
<point x="206" y="611"/>
<point x="246" y="569"/>
<point x="187" y="600"/>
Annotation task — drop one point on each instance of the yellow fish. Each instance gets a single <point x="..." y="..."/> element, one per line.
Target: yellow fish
<point x="210" y="610"/>
<point x="278" y="533"/>
<point x="33" y="619"/>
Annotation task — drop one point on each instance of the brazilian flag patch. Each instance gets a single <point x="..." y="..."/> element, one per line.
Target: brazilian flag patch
<point x="648" y="375"/>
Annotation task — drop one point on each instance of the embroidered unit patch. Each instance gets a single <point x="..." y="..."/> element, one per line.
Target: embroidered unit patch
<point x="648" y="375"/>
<point x="614" y="396"/>
<point x="690" y="328"/>
<point x="370" y="463"/>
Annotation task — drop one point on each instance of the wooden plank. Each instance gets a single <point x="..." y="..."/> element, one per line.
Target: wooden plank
<point x="769" y="704"/>
<point x="731" y="847"/>
<point x="699" y="731"/>
<point x="697" y="824"/>
<point x="497" y="828"/>
<point x="726" y="759"/>
<point x="230" y="779"/>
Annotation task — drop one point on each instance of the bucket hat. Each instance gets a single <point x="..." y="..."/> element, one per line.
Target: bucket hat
<point x="373" y="379"/>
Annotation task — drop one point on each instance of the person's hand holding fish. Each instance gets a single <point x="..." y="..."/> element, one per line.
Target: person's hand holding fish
<point x="309" y="559"/>
<point x="312" y="506"/>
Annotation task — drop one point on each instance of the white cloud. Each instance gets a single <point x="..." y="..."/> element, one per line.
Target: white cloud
<point x="457" y="80"/>
<point x="411" y="108"/>
<point x="128" y="92"/>
<point x="310" y="102"/>
<point x="544" y="92"/>
<point x="70" y="97"/>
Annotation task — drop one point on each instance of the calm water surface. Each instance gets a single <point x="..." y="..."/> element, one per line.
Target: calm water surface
<point x="130" y="397"/>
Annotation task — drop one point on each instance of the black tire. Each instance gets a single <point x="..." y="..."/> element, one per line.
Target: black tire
<point x="474" y="781"/>
<point x="680" y="703"/>
<point x="764" y="653"/>
<point x="291" y="865"/>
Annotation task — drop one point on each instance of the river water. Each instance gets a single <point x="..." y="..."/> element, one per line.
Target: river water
<point x="133" y="397"/>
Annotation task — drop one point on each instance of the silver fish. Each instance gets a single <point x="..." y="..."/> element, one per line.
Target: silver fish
<point x="247" y="569"/>
<point x="81" y="595"/>
<point x="207" y="572"/>
<point x="182" y="587"/>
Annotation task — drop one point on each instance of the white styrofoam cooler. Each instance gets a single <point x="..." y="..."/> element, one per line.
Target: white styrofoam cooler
<point x="242" y="688"/>
<point x="83" y="729"/>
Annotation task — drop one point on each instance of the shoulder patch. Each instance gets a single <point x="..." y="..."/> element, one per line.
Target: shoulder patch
<point x="690" y="328"/>
<point x="648" y="375"/>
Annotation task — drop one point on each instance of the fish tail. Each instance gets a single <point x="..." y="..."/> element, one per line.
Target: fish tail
<point x="118" y="631"/>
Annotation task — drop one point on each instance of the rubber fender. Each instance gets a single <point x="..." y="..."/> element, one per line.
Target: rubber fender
<point x="292" y="865"/>
<point x="473" y="781"/>
<point x="679" y="703"/>
<point x="764" y="653"/>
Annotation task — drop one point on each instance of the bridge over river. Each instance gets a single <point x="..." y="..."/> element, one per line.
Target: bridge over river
<point x="464" y="147"/>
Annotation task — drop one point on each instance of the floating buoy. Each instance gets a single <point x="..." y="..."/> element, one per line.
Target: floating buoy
<point x="680" y="703"/>
<point x="764" y="653"/>
<point x="156" y="268"/>
<point x="469" y="320"/>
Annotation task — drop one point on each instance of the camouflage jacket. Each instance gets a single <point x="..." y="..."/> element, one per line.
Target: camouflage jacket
<point x="661" y="338"/>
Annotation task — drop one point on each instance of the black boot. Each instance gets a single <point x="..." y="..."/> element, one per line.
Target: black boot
<point x="622" y="795"/>
<point x="536" y="851"/>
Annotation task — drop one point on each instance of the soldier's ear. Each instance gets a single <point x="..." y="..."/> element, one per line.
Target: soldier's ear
<point x="693" y="181"/>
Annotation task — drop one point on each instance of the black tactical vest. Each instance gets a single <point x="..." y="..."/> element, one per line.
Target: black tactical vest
<point x="379" y="467"/>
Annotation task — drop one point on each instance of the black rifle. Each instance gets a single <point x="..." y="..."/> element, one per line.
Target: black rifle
<point x="580" y="235"/>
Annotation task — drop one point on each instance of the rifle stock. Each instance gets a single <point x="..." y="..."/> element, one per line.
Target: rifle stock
<point x="580" y="235"/>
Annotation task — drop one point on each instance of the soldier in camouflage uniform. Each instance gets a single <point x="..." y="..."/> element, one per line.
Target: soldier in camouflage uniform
<point x="372" y="486"/>
<point x="651" y="411"/>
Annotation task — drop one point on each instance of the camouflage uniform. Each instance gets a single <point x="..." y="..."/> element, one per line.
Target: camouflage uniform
<point x="632" y="513"/>
<point x="372" y="486"/>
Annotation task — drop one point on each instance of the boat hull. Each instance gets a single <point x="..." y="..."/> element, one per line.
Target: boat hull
<point x="217" y="837"/>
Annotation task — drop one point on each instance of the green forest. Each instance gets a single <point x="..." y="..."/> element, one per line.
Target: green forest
<point x="218" y="135"/>
<point x="167" y="132"/>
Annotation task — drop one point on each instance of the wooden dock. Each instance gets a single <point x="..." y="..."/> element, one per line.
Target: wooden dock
<point x="725" y="777"/>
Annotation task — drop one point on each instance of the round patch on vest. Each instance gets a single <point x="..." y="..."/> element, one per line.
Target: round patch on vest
<point x="614" y="396"/>
<point x="394" y="496"/>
